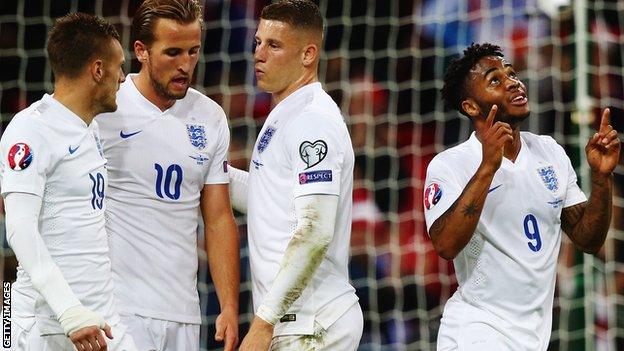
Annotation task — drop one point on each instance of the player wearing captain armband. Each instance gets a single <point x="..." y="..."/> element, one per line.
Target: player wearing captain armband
<point x="299" y="198"/>
<point x="166" y="148"/>
<point x="54" y="184"/>
<point x="497" y="203"/>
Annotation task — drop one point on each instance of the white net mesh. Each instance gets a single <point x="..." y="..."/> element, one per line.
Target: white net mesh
<point x="383" y="64"/>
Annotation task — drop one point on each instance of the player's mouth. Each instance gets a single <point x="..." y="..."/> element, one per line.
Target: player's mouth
<point x="180" y="82"/>
<point x="519" y="99"/>
<point x="259" y="72"/>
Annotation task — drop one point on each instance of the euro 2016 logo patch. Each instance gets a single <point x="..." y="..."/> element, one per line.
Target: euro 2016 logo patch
<point x="197" y="135"/>
<point x="266" y="138"/>
<point x="313" y="153"/>
<point x="433" y="194"/>
<point x="315" y="176"/>
<point x="20" y="156"/>
<point x="549" y="177"/>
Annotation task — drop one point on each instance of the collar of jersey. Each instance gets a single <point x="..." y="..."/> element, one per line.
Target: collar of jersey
<point x="141" y="100"/>
<point x="63" y="112"/>
<point x="298" y="94"/>
<point x="475" y="144"/>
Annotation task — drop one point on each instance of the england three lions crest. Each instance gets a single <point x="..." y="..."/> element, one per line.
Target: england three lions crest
<point x="549" y="177"/>
<point x="197" y="135"/>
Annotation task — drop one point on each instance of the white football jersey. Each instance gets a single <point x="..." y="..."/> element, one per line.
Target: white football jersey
<point x="303" y="148"/>
<point x="48" y="151"/>
<point x="158" y="163"/>
<point x="508" y="268"/>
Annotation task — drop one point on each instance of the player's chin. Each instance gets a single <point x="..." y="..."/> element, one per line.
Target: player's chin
<point x="262" y="84"/>
<point x="177" y="94"/>
<point x="109" y="107"/>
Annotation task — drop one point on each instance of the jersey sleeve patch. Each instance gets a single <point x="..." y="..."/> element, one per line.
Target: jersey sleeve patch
<point x="315" y="176"/>
<point x="433" y="194"/>
<point x="20" y="156"/>
<point x="312" y="153"/>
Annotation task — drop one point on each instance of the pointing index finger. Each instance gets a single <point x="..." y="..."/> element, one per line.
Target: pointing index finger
<point x="605" y="120"/>
<point x="490" y="118"/>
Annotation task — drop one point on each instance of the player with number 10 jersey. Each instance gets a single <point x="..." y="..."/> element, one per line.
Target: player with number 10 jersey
<point x="158" y="163"/>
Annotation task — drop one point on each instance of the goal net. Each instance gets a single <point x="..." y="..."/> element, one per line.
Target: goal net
<point x="383" y="64"/>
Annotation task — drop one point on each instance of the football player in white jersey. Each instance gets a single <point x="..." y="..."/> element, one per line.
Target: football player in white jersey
<point x="300" y="195"/>
<point x="166" y="147"/>
<point x="53" y="180"/>
<point x="496" y="205"/>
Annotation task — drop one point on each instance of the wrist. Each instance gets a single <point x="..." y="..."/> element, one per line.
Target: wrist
<point x="229" y="307"/>
<point x="599" y="178"/>
<point x="261" y="323"/>
<point x="267" y="315"/>
<point x="485" y="170"/>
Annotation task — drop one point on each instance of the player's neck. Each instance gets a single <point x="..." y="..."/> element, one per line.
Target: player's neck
<point x="78" y="101"/>
<point x="294" y="86"/>
<point x="144" y="86"/>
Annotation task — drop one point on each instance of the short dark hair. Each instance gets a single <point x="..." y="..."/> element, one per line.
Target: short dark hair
<point x="75" y="39"/>
<point x="144" y="20"/>
<point x="300" y="14"/>
<point x="454" y="90"/>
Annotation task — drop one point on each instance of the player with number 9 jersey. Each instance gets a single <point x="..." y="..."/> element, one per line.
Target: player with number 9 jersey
<point x="158" y="163"/>
<point x="507" y="270"/>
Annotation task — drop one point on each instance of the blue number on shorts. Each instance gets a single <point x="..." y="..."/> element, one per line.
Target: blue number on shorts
<point x="97" y="190"/>
<point x="172" y="170"/>
<point x="531" y="230"/>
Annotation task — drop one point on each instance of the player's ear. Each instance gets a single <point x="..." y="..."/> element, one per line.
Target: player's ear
<point x="141" y="51"/>
<point x="97" y="70"/>
<point x="471" y="108"/>
<point x="310" y="54"/>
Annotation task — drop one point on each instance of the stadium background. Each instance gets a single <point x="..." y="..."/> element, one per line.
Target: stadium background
<point x="383" y="64"/>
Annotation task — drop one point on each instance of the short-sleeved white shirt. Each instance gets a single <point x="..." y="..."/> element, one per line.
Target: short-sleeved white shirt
<point x="508" y="269"/>
<point x="158" y="163"/>
<point x="303" y="148"/>
<point x="48" y="151"/>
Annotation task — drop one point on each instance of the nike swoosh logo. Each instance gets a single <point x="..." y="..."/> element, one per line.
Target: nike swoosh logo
<point x="494" y="188"/>
<point x="124" y="136"/>
<point x="71" y="151"/>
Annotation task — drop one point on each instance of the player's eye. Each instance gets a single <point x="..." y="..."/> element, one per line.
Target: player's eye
<point x="494" y="80"/>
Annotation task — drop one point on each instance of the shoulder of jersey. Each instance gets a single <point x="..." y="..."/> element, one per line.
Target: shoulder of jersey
<point x="455" y="154"/>
<point x="29" y="118"/>
<point x="194" y="99"/>
<point x="544" y="142"/>
<point x="323" y="107"/>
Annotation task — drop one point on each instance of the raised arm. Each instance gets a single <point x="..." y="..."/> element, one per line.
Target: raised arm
<point x="316" y="216"/>
<point x="452" y="231"/>
<point x="587" y="223"/>
<point x="222" y="249"/>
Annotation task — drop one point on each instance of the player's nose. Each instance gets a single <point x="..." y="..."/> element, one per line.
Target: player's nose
<point x="512" y="83"/>
<point x="259" y="53"/>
